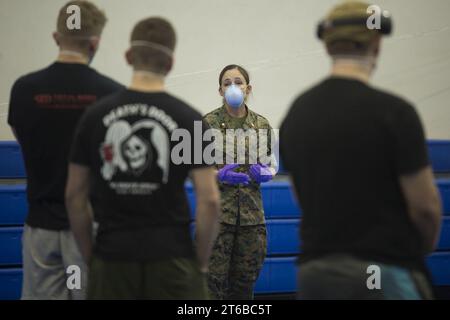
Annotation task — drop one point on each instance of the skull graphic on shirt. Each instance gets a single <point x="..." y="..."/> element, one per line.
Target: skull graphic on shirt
<point x="137" y="153"/>
<point x="125" y="148"/>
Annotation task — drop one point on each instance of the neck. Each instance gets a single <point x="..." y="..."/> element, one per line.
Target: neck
<point x="147" y="81"/>
<point x="359" y="68"/>
<point x="70" y="56"/>
<point x="236" y="112"/>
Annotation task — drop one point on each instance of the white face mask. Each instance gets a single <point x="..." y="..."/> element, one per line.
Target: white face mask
<point x="234" y="96"/>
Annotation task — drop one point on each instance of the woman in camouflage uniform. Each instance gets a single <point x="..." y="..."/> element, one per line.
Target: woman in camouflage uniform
<point x="240" y="248"/>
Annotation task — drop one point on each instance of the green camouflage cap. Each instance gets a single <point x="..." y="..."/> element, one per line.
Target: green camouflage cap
<point x="355" y="33"/>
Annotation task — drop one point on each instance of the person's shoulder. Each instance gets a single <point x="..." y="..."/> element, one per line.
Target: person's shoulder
<point x="313" y="94"/>
<point x="107" y="82"/>
<point x="182" y="109"/>
<point x="391" y="101"/>
<point x="111" y="99"/>
<point x="103" y="105"/>
<point x="31" y="77"/>
<point x="260" y="120"/>
<point x="214" y="114"/>
<point x="391" y="97"/>
<point x="314" y="90"/>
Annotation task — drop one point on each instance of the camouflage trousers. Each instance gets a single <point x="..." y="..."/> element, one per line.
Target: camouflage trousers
<point x="236" y="260"/>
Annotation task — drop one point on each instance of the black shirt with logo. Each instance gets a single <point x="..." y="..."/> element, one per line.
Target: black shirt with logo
<point x="140" y="148"/>
<point x="45" y="107"/>
<point x="346" y="145"/>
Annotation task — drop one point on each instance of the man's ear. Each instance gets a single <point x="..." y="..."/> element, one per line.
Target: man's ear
<point x="377" y="46"/>
<point x="56" y="36"/>
<point x="128" y="57"/>
<point x="94" y="43"/>
<point x="170" y="64"/>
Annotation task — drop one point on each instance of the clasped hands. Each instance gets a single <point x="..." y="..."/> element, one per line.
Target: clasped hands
<point x="258" y="172"/>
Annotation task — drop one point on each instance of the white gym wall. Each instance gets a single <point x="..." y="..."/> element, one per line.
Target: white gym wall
<point x="274" y="40"/>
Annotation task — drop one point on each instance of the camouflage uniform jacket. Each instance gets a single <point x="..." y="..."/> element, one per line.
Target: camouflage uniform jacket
<point x="239" y="200"/>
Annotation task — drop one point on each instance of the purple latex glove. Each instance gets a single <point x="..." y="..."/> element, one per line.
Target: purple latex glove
<point x="227" y="175"/>
<point x="260" y="173"/>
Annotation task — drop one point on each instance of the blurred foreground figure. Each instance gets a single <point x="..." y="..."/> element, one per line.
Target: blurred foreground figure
<point x="358" y="160"/>
<point x="45" y="107"/>
<point x="125" y="152"/>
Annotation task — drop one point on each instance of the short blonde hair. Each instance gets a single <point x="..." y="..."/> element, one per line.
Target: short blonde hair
<point x="92" y="20"/>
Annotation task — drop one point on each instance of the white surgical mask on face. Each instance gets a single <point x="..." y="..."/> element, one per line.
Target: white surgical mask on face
<point x="234" y="96"/>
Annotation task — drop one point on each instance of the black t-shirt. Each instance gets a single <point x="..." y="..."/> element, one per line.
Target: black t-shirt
<point x="126" y="141"/>
<point x="345" y="145"/>
<point x="45" y="107"/>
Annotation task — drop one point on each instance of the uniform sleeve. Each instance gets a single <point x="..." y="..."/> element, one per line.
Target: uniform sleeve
<point x="208" y="119"/>
<point x="409" y="142"/>
<point x="79" y="153"/>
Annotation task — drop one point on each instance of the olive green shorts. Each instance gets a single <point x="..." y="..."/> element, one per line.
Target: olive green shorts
<point x="176" y="278"/>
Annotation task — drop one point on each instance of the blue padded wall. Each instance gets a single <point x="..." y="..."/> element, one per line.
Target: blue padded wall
<point x="10" y="284"/>
<point x="282" y="212"/>
<point x="10" y="246"/>
<point x="439" y="153"/>
<point x="13" y="204"/>
<point x="11" y="163"/>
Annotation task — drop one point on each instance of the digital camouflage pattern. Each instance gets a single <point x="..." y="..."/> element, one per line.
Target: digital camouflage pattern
<point x="245" y="200"/>
<point x="241" y="246"/>
<point x="237" y="258"/>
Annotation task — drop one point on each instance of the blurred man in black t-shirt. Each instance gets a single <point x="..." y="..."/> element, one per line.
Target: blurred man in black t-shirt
<point x="357" y="158"/>
<point x="125" y="152"/>
<point x="45" y="107"/>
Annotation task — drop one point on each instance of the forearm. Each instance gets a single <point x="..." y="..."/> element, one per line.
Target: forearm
<point x="80" y="216"/>
<point x="429" y="228"/>
<point x="207" y="228"/>
<point x="424" y="205"/>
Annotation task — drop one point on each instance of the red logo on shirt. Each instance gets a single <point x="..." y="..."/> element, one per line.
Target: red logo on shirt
<point x="108" y="152"/>
<point x="64" y="101"/>
<point x="43" y="98"/>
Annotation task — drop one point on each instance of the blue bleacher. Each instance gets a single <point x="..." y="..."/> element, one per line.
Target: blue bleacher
<point x="10" y="283"/>
<point x="11" y="164"/>
<point x="13" y="205"/>
<point x="438" y="152"/>
<point x="10" y="246"/>
<point x="283" y="217"/>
